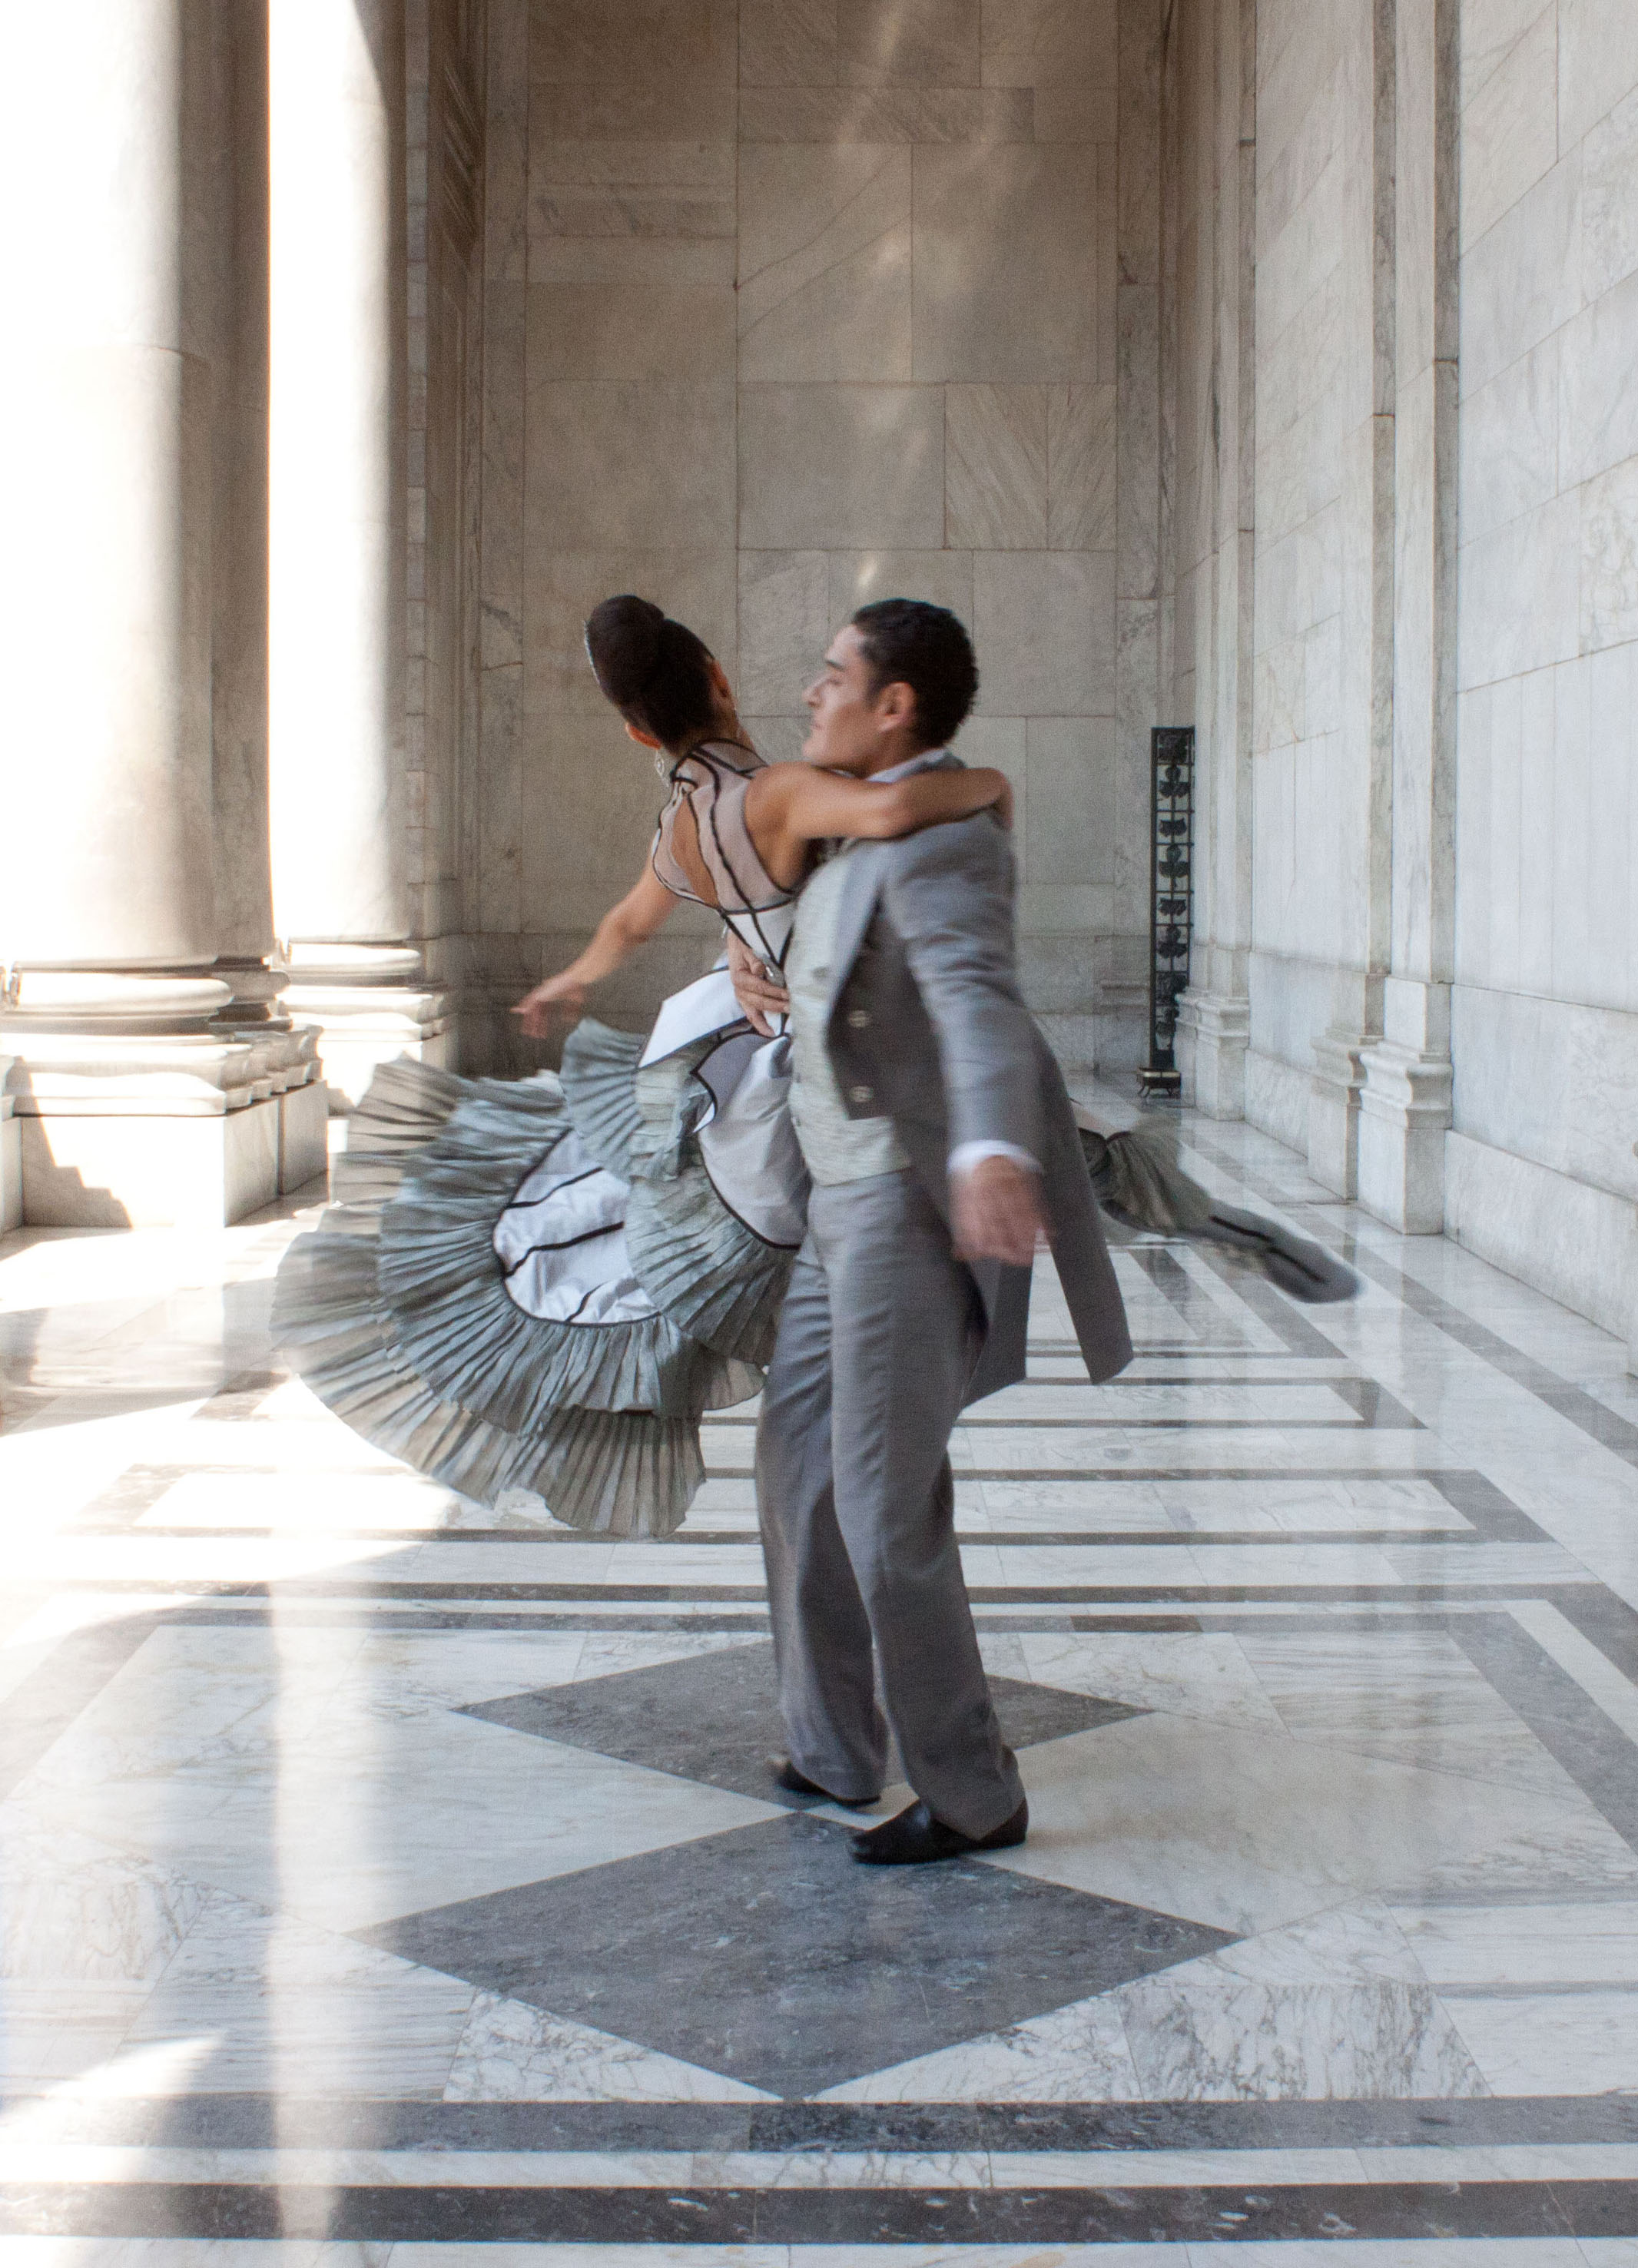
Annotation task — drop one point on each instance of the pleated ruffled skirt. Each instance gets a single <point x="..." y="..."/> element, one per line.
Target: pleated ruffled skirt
<point x="535" y="1284"/>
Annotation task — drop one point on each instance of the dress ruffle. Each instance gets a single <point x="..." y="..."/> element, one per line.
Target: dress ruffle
<point x="395" y="1310"/>
<point x="623" y="1474"/>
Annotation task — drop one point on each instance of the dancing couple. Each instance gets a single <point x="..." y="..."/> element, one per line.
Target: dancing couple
<point x="823" y="1174"/>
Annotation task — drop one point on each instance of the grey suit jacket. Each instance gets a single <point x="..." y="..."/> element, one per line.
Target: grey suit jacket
<point x="924" y="1021"/>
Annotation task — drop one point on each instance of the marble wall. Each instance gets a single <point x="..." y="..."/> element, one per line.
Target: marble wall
<point x="1544" y="1008"/>
<point x="789" y="306"/>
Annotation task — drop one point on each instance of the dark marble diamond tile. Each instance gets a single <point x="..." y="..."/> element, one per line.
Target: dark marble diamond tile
<point x="767" y="1953"/>
<point x="715" y="1718"/>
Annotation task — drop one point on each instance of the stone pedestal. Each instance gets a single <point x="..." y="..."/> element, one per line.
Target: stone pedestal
<point x="10" y="1159"/>
<point x="1405" y="1110"/>
<point x="130" y="1172"/>
<point x="131" y="1111"/>
<point x="1214" y="1034"/>
<point x="365" y="1005"/>
<point x="1333" y="1110"/>
<point x="304" y="1154"/>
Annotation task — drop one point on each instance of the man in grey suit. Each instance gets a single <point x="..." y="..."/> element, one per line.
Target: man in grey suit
<point x="940" y="1141"/>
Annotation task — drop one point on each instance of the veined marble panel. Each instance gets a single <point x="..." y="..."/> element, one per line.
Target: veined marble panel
<point x="951" y="115"/>
<point x="1510" y="128"/>
<point x="689" y="46"/>
<point x="995" y="467"/>
<point x="1610" y="199"/>
<point x="1070" y="830"/>
<point x="1522" y="280"/>
<point x="907" y="42"/>
<point x="616" y="463"/>
<point x="944" y="578"/>
<point x="1006" y="264"/>
<point x="1597" y="63"/>
<point x="787" y="43"/>
<point x="1043" y="621"/>
<point x="841" y="468"/>
<point x="784" y="625"/>
<point x="1047" y="44"/>
<point x="825" y="257"/>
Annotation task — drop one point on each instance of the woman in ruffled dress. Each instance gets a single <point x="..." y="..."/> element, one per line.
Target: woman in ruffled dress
<point x="542" y="1285"/>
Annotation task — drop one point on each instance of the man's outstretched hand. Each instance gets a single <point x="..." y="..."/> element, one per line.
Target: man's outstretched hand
<point x="759" y="993"/>
<point x="995" y="1212"/>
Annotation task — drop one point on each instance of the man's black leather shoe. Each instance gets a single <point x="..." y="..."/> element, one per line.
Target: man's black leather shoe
<point x="915" y="1837"/>
<point x="795" y="1783"/>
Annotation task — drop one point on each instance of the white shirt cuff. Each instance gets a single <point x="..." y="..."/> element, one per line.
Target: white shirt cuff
<point x="966" y="1155"/>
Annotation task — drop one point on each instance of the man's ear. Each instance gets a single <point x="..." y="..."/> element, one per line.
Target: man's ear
<point x="644" y="740"/>
<point x="896" y="705"/>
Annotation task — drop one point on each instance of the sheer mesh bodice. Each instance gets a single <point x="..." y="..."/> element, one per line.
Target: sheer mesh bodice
<point x="711" y="780"/>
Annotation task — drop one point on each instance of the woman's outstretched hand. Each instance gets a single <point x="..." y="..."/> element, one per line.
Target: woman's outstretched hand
<point x="559" y="1000"/>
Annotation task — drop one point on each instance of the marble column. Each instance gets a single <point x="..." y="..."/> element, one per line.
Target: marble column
<point x="247" y="958"/>
<point x="338" y="537"/>
<point x="1405" y="1102"/>
<point x="129" y="1106"/>
<point x="1214" y="1016"/>
<point x="1365" y="695"/>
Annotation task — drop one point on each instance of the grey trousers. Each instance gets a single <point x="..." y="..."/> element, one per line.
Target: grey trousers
<point x="875" y="1345"/>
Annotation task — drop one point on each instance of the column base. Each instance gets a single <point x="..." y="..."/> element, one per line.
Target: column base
<point x="130" y="1110"/>
<point x="108" y="1172"/>
<point x="1333" y="1110"/>
<point x="304" y="1147"/>
<point x="1213" y="1037"/>
<point x="10" y="1159"/>
<point x="1405" y="1110"/>
<point x="367" y="1007"/>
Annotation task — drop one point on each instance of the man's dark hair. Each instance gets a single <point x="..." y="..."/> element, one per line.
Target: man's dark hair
<point x="907" y="642"/>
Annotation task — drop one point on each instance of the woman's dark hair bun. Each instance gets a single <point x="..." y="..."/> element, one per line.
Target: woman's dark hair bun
<point x="655" y="671"/>
<point x="622" y="638"/>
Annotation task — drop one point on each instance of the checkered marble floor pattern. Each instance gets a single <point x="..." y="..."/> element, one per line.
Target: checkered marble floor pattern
<point x="387" y="1878"/>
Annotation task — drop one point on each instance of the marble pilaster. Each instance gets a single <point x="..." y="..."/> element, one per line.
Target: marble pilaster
<point x="1406" y="1100"/>
<point x="1214" y="539"/>
<point x="1333" y="1110"/>
<point x="336" y="595"/>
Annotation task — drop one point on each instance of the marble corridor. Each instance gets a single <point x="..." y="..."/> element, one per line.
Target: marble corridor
<point x="389" y="1881"/>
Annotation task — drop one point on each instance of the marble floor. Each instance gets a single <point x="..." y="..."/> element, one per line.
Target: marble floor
<point x="383" y="1878"/>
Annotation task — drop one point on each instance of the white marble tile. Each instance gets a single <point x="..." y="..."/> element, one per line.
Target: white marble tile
<point x="72" y="1907"/>
<point x="1178" y="1673"/>
<point x="1465" y="1948"/>
<point x="1248" y="1830"/>
<point x="1077" y="2054"/>
<point x="1411" y="1695"/>
<point x="195" y="2252"/>
<point x="59" y="2029"/>
<point x="1551" y="2044"/>
<point x="385" y="1816"/>
<point x="1200" y="2033"/>
<point x="511" y="2052"/>
<point x="289" y="2007"/>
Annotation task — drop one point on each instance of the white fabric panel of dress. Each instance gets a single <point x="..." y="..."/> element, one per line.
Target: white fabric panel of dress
<point x="749" y="1144"/>
<point x="561" y="1243"/>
